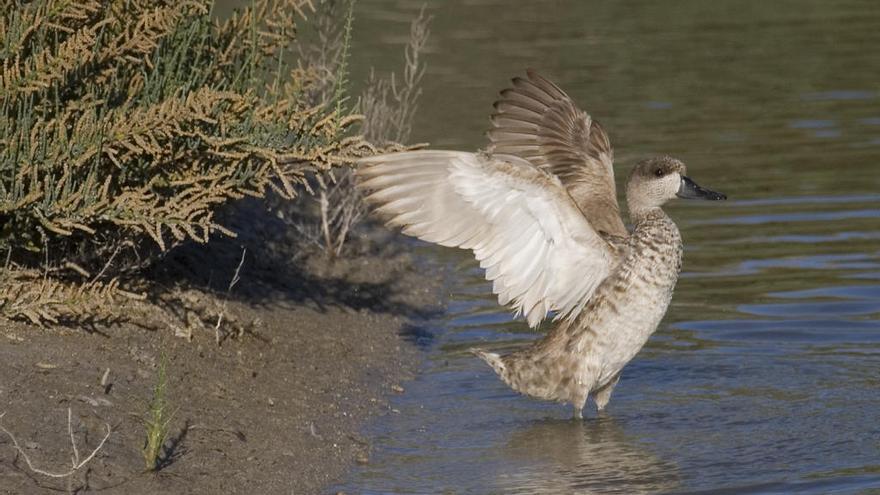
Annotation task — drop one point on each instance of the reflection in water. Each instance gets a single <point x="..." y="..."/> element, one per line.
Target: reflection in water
<point x="564" y="456"/>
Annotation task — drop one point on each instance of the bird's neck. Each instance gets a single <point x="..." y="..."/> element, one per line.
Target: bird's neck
<point x="640" y="213"/>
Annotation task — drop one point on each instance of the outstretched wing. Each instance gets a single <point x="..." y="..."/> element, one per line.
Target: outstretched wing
<point x="537" y="248"/>
<point x="537" y="121"/>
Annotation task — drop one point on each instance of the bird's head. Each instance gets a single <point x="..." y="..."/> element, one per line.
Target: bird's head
<point x="657" y="180"/>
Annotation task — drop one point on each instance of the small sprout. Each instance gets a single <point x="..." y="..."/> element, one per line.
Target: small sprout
<point x="157" y="420"/>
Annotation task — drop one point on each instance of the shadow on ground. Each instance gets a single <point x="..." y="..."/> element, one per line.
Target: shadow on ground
<point x="282" y="266"/>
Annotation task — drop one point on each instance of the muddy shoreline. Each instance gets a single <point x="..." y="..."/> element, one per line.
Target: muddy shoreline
<point x="277" y="410"/>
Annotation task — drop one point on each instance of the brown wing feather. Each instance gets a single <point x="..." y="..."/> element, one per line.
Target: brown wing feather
<point x="537" y="121"/>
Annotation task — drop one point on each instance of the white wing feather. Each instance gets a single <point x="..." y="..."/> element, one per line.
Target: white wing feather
<point x="539" y="251"/>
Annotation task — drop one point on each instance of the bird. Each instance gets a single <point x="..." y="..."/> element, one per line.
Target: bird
<point x="538" y="208"/>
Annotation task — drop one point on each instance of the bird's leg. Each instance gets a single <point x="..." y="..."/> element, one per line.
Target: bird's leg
<point x="579" y="404"/>
<point x="603" y="395"/>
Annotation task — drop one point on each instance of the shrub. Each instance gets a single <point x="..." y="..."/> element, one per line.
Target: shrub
<point x="131" y="120"/>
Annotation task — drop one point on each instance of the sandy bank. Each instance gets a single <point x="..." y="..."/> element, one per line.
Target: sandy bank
<point x="276" y="410"/>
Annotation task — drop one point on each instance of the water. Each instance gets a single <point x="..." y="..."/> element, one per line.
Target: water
<point x="764" y="376"/>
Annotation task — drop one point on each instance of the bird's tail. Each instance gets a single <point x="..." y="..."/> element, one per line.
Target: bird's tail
<point x="494" y="360"/>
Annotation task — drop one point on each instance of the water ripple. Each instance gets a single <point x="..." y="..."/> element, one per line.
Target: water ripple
<point x="821" y="216"/>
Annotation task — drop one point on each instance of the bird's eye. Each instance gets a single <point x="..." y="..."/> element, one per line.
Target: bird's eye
<point x="659" y="172"/>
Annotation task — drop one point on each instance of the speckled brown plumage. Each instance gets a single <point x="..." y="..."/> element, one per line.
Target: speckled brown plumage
<point x="539" y="211"/>
<point x="587" y="354"/>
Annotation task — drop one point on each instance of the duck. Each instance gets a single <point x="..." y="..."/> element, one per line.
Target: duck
<point x="538" y="208"/>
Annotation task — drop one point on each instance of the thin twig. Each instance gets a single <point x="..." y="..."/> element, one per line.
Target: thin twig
<point x="325" y="224"/>
<point x="77" y="464"/>
<point x="109" y="261"/>
<point x="72" y="440"/>
<point x="235" y="279"/>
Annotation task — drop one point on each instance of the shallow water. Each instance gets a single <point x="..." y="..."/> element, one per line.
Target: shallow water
<point x="764" y="376"/>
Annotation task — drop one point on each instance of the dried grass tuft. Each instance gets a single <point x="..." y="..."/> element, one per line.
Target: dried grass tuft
<point x="388" y="105"/>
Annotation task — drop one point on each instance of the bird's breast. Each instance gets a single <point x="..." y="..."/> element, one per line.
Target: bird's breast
<point x="630" y="304"/>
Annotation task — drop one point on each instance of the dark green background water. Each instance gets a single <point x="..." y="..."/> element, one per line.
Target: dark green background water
<point x="765" y="375"/>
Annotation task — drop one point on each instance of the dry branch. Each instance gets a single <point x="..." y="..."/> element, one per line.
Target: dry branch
<point x="76" y="462"/>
